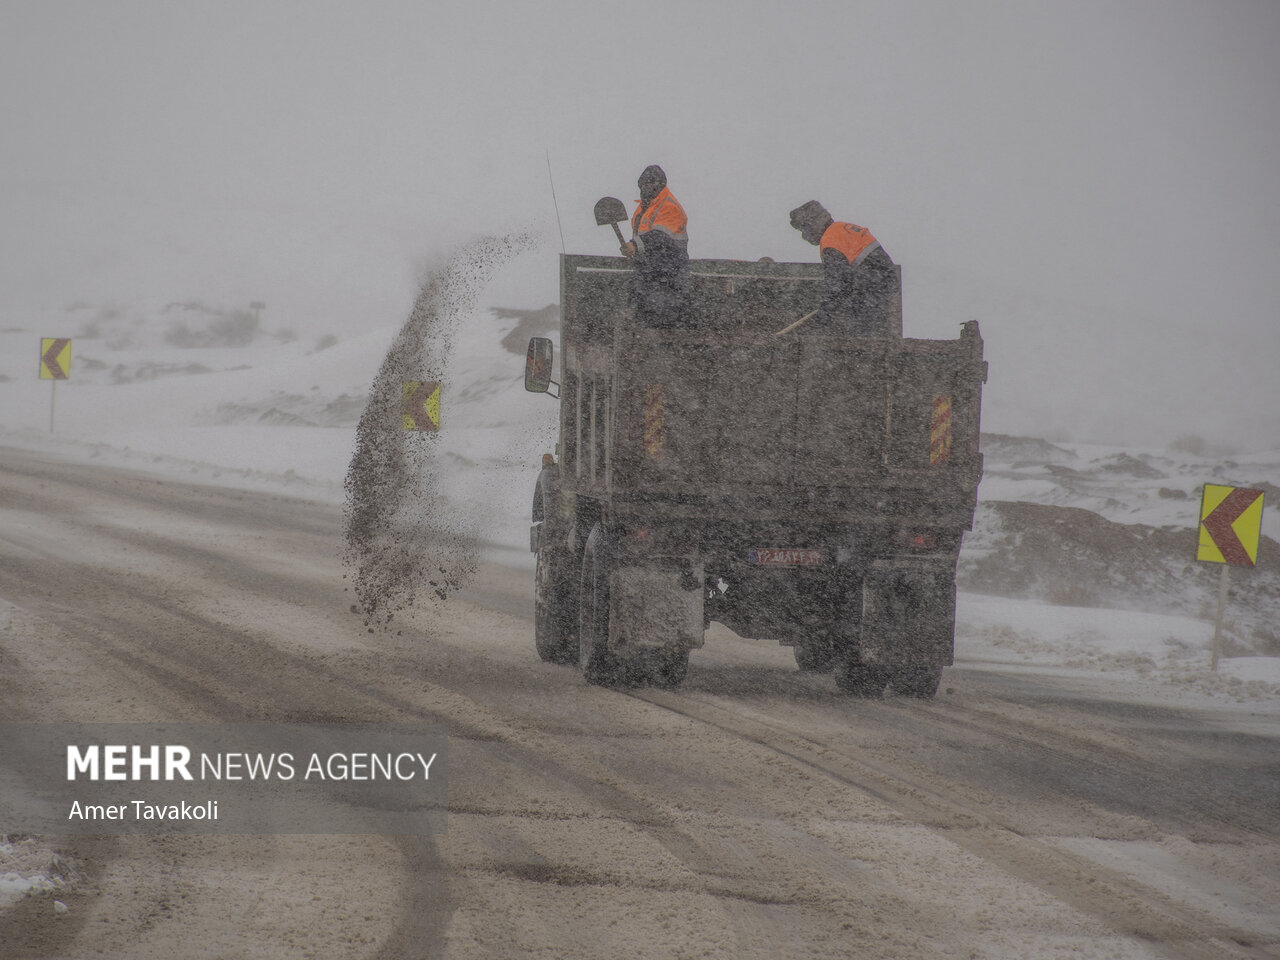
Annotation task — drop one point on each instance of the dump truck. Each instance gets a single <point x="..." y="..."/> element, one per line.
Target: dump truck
<point x="788" y="481"/>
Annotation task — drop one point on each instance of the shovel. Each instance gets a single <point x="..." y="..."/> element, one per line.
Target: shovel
<point x="611" y="211"/>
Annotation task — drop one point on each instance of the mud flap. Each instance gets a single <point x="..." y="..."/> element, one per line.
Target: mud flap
<point x="655" y="608"/>
<point x="908" y="615"/>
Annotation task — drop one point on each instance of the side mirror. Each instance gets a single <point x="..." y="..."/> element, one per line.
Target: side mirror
<point x="537" y="365"/>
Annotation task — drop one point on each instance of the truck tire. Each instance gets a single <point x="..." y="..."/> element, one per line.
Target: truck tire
<point x="666" y="669"/>
<point x="818" y="655"/>
<point x="916" y="680"/>
<point x="598" y="663"/>
<point x="555" y="614"/>
<point x="861" y="679"/>
<point x="672" y="671"/>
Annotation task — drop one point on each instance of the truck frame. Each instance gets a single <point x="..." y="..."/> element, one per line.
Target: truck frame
<point x="804" y="486"/>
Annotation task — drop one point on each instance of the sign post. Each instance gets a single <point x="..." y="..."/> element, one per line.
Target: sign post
<point x="1230" y="531"/>
<point x="1224" y="585"/>
<point x="55" y="365"/>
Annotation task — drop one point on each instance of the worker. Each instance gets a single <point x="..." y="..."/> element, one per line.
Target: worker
<point x="660" y="246"/>
<point x="860" y="283"/>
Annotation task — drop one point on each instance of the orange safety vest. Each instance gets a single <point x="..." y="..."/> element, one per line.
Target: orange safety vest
<point x="665" y="214"/>
<point x="853" y="242"/>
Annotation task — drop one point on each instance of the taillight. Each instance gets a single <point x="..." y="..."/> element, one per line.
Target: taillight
<point x="921" y="541"/>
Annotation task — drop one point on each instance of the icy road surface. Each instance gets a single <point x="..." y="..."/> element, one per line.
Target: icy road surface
<point x="752" y="813"/>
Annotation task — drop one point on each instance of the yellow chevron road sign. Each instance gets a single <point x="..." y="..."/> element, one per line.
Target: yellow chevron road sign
<point x="421" y="406"/>
<point x="1230" y="525"/>
<point x="55" y="358"/>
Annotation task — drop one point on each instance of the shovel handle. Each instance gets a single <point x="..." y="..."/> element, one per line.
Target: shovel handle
<point x="792" y="326"/>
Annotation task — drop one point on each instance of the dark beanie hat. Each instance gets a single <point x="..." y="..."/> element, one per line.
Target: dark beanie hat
<point x="652" y="175"/>
<point x="811" y="212"/>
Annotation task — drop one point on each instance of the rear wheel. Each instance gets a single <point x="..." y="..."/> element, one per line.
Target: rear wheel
<point x="555" y="615"/>
<point x="599" y="665"/>
<point x="916" y="680"/>
<point x="861" y="679"/>
<point x="665" y="668"/>
<point x="818" y="655"/>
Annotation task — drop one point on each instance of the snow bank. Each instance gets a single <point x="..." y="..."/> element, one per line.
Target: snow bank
<point x="29" y="866"/>
<point x="1141" y="656"/>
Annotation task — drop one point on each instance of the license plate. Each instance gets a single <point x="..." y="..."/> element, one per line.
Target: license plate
<point x="784" y="557"/>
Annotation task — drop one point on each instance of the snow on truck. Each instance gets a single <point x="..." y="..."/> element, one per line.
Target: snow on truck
<point x="803" y="486"/>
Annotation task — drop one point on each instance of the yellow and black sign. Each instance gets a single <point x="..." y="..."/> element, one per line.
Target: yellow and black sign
<point x="655" y="420"/>
<point x="940" y="430"/>
<point x="55" y="358"/>
<point x="421" y="405"/>
<point x="1230" y="525"/>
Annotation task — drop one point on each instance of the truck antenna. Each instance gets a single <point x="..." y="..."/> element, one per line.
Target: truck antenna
<point x="551" y="179"/>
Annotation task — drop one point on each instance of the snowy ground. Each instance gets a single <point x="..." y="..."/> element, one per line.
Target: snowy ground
<point x="1144" y="657"/>
<point x="260" y="409"/>
<point x="27" y="865"/>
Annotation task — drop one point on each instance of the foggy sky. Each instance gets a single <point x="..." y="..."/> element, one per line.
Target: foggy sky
<point x="1093" y="181"/>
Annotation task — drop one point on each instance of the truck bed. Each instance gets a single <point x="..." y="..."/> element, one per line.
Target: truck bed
<point x="729" y="416"/>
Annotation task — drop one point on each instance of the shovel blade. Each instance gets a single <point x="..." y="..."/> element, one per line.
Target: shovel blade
<point x="610" y="210"/>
